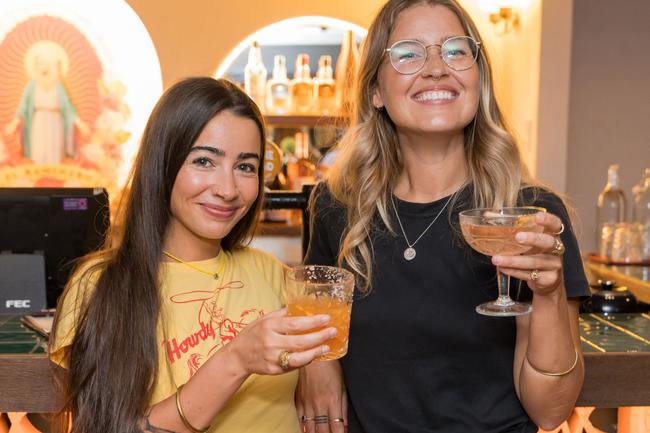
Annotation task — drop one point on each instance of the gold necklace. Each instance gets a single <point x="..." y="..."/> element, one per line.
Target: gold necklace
<point x="214" y="275"/>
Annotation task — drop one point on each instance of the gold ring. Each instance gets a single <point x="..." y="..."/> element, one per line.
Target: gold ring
<point x="283" y="359"/>
<point x="558" y="247"/>
<point x="534" y="275"/>
<point x="304" y="419"/>
<point x="559" y="232"/>
<point x="337" y="420"/>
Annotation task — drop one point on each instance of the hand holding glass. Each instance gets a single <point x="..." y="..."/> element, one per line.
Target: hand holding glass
<point x="492" y="232"/>
<point x="314" y="289"/>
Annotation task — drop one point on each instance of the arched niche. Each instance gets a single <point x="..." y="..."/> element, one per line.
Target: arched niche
<point x="314" y="35"/>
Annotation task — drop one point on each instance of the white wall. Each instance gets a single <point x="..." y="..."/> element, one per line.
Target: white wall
<point x="554" y="88"/>
<point x="609" y="108"/>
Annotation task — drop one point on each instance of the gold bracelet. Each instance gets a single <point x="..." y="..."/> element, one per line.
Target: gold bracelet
<point x="547" y="373"/>
<point x="189" y="426"/>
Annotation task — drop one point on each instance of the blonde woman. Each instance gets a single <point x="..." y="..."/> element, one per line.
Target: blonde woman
<point x="428" y="141"/>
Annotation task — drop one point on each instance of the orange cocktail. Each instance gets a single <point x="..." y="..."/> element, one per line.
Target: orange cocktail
<point x="493" y="240"/>
<point x="315" y="290"/>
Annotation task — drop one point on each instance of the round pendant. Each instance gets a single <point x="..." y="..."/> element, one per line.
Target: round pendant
<point x="409" y="253"/>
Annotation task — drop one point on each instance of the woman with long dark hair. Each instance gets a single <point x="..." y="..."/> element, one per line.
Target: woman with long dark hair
<point x="428" y="140"/>
<point x="176" y="326"/>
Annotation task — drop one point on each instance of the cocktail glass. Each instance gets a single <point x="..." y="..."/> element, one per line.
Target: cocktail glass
<point x="315" y="289"/>
<point x="492" y="232"/>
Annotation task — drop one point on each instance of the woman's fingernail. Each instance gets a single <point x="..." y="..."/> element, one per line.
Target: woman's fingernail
<point x="333" y="332"/>
<point x="520" y="237"/>
<point x="325" y="349"/>
<point x="497" y="260"/>
<point x="324" y="318"/>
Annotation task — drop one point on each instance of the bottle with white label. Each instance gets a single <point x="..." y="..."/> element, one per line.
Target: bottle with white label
<point x="302" y="87"/>
<point x="325" y="87"/>
<point x="610" y="210"/>
<point x="255" y="76"/>
<point x="278" y="97"/>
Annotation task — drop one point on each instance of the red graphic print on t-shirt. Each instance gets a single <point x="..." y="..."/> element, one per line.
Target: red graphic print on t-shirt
<point x="213" y="324"/>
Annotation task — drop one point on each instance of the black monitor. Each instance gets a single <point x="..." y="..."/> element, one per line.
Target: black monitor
<point x="63" y="224"/>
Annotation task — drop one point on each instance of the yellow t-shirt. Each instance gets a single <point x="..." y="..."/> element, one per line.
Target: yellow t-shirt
<point x="199" y="315"/>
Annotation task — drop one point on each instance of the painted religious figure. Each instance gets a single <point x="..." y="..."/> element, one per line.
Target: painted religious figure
<point x="46" y="112"/>
<point x="62" y="116"/>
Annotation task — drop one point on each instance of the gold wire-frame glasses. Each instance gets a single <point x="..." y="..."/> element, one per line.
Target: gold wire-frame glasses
<point x="409" y="56"/>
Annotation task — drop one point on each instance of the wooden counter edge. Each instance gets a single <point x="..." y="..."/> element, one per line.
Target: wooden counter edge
<point x="28" y="384"/>
<point x="616" y="379"/>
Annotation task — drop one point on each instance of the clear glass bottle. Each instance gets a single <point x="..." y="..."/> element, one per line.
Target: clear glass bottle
<point x="641" y="194"/>
<point x="642" y="214"/>
<point x="345" y="73"/>
<point x="325" y="87"/>
<point x="610" y="210"/>
<point x="302" y="86"/>
<point x="255" y="76"/>
<point x="642" y="206"/>
<point x="278" y="98"/>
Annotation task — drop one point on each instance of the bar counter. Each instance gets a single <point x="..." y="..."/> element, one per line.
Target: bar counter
<point x="636" y="278"/>
<point x="617" y="358"/>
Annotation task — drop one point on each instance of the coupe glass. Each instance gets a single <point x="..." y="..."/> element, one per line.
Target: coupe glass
<point x="492" y="232"/>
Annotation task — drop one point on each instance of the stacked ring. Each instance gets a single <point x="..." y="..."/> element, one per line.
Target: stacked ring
<point x="534" y="275"/>
<point x="558" y="247"/>
<point x="321" y="419"/>
<point x="283" y="359"/>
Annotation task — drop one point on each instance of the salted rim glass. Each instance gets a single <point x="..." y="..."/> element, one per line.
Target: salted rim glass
<point x="409" y="56"/>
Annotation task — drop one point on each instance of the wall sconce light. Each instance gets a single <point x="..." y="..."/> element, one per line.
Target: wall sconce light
<point x="504" y="14"/>
<point x="507" y="19"/>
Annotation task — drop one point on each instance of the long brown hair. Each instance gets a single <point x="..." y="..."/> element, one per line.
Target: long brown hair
<point x="113" y="362"/>
<point x="369" y="161"/>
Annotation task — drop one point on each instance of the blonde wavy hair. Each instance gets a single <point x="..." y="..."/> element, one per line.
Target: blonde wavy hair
<point x="369" y="160"/>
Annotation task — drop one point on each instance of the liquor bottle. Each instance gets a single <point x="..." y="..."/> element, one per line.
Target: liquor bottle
<point x="302" y="86"/>
<point x="278" y="100"/>
<point x="610" y="211"/>
<point x="642" y="211"/>
<point x="641" y="194"/>
<point x="255" y="76"/>
<point x="300" y="169"/>
<point x="346" y="71"/>
<point x="325" y="87"/>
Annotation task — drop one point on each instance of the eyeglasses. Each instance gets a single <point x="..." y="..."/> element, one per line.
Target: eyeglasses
<point x="409" y="56"/>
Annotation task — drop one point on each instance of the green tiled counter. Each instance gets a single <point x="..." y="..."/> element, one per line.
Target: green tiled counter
<point x="17" y="339"/>
<point x="619" y="333"/>
<point x="598" y="333"/>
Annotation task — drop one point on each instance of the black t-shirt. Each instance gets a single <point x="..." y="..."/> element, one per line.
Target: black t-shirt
<point x="420" y="359"/>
